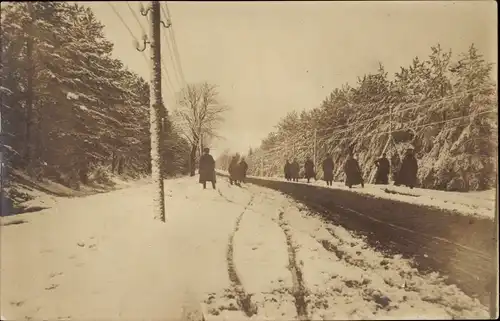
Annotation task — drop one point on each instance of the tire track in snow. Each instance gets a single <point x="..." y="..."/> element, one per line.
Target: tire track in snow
<point x="299" y="290"/>
<point x="224" y="196"/>
<point x="430" y="253"/>
<point x="244" y="299"/>
<point x="399" y="291"/>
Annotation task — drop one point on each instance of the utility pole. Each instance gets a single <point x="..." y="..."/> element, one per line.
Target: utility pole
<point x="286" y="150"/>
<point x="389" y="141"/>
<point x="314" y="149"/>
<point x="494" y="286"/>
<point x="156" y="108"/>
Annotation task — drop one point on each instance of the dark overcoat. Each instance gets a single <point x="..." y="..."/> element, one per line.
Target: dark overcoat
<point x="309" y="169"/>
<point x="295" y="169"/>
<point x="207" y="168"/>
<point x="233" y="169"/>
<point x="328" y="169"/>
<point x="383" y="169"/>
<point x="353" y="172"/>
<point x="288" y="170"/>
<point x="243" y="168"/>
<point x="408" y="172"/>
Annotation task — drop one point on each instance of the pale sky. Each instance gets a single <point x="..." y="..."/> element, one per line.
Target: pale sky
<point x="269" y="58"/>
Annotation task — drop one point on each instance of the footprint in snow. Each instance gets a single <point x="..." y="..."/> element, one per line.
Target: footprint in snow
<point x="52" y="275"/>
<point x="52" y="287"/>
<point x="16" y="303"/>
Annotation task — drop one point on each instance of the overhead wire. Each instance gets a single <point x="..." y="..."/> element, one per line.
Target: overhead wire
<point x="126" y="26"/>
<point x="279" y="145"/>
<point x="170" y="49"/>
<point x="413" y="106"/>
<point x="174" y="42"/>
<point x="168" y="82"/>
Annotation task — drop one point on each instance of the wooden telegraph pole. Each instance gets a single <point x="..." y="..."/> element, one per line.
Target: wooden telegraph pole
<point x="156" y="108"/>
<point x="315" y="149"/>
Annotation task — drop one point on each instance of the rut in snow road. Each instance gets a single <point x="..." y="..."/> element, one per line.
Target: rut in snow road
<point x="336" y="274"/>
<point x="142" y="277"/>
<point x="291" y="292"/>
<point x="298" y="283"/>
<point x="244" y="299"/>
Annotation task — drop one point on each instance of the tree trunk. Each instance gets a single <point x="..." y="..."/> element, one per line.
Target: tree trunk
<point x="113" y="163"/>
<point x="40" y="143"/>
<point x="192" y="160"/>
<point x="120" y="166"/>
<point x="29" y="103"/>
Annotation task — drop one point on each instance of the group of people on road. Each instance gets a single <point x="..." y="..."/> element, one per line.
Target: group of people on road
<point x="407" y="174"/>
<point x="237" y="170"/>
<point x="292" y="170"/>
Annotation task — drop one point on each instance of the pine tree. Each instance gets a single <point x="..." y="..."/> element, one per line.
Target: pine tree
<point x="444" y="108"/>
<point x="89" y="111"/>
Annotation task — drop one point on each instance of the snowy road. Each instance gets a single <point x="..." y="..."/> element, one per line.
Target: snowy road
<point x="246" y="252"/>
<point x="462" y="247"/>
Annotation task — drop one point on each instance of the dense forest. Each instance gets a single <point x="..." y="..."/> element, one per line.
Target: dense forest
<point x="445" y="108"/>
<point x="69" y="110"/>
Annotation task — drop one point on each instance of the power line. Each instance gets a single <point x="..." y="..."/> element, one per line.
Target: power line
<point x="277" y="148"/>
<point x="413" y="106"/>
<point x="176" y="50"/>
<point x="351" y="126"/>
<point x="136" y="17"/>
<point x="126" y="26"/>
<point x="172" y="53"/>
<point x="168" y="82"/>
<point x="132" y="34"/>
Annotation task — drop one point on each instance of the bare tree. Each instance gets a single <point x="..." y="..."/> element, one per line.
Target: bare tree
<point x="200" y="113"/>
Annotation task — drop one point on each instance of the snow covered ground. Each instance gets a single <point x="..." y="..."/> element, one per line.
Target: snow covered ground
<point x="233" y="253"/>
<point x="478" y="204"/>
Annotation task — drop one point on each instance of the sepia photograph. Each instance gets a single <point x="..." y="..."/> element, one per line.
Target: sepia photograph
<point x="248" y="160"/>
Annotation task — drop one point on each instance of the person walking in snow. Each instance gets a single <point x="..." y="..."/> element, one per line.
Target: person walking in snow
<point x="309" y="169"/>
<point x="353" y="172"/>
<point x="288" y="170"/>
<point x="383" y="169"/>
<point x="242" y="169"/>
<point x="295" y="170"/>
<point x="233" y="170"/>
<point x="408" y="173"/>
<point x="207" y="168"/>
<point x="328" y="170"/>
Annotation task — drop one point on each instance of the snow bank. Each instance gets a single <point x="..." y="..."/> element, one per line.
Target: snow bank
<point x="478" y="204"/>
<point x="105" y="257"/>
<point x="346" y="279"/>
<point x="124" y="264"/>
